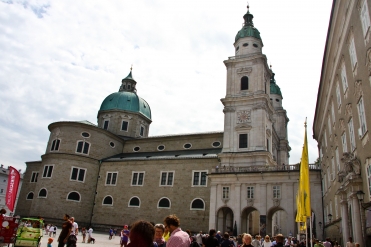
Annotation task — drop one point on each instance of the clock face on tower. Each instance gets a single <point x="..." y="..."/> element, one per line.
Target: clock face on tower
<point x="243" y="116"/>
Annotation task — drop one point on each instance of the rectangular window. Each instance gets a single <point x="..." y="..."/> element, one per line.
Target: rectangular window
<point x="344" y="142"/>
<point x="344" y="79"/>
<point x="137" y="178"/>
<point x="55" y="145"/>
<point x="332" y="169"/>
<point x="365" y="18"/>
<point x="225" y="192"/>
<point x="338" y="95"/>
<point x="124" y="126"/>
<point x="34" y="177"/>
<point x="336" y="207"/>
<point x="243" y="141"/>
<point x="82" y="147"/>
<point x="352" y="53"/>
<point x="351" y="135"/>
<point x="337" y="158"/>
<point x="1" y="191"/>
<point x="141" y="131"/>
<point x="105" y="124"/>
<point x="362" y="118"/>
<point x="48" y="170"/>
<point x="369" y="178"/>
<point x="78" y="174"/>
<point x="111" y="178"/>
<point x="328" y="177"/>
<point x="276" y="192"/>
<point x="167" y="178"/>
<point x="333" y="113"/>
<point x="250" y="192"/>
<point x="323" y="187"/>
<point x="199" y="178"/>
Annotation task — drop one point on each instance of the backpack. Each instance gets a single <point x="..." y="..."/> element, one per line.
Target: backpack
<point x="227" y="243"/>
<point x="194" y="244"/>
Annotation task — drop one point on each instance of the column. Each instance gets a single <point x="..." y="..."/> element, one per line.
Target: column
<point x="344" y="220"/>
<point x="212" y="213"/>
<point x="237" y="213"/>
<point x="356" y="216"/>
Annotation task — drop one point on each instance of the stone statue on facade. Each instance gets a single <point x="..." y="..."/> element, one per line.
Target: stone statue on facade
<point x="351" y="166"/>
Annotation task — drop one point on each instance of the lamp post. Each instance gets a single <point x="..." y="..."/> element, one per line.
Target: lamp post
<point x="329" y="217"/>
<point x="320" y="227"/>
<point x="360" y="196"/>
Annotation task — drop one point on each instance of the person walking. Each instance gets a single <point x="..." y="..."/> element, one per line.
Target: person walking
<point x="246" y="240"/>
<point x="83" y="232"/>
<point x="178" y="238"/>
<point x="159" y="235"/>
<point x="267" y="241"/>
<point x="124" y="236"/>
<point x="211" y="240"/>
<point x="256" y="242"/>
<point x="51" y="230"/>
<point x="66" y="231"/>
<point x="90" y="234"/>
<point x="141" y="234"/>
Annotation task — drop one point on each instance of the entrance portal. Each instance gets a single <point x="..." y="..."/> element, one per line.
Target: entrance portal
<point x="250" y="221"/>
<point x="225" y="220"/>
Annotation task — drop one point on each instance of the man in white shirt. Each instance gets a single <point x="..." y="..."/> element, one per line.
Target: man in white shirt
<point x="72" y="239"/>
<point x="75" y="227"/>
<point x="51" y="230"/>
<point x="199" y="238"/>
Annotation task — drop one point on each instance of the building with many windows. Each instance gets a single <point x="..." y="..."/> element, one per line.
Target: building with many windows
<point x="343" y="120"/>
<point x="114" y="173"/>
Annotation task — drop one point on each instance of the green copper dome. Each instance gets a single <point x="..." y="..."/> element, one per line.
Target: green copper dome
<point x="274" y="88"/>
<point x="126" y="99"/>
<point x="248" y="30"/>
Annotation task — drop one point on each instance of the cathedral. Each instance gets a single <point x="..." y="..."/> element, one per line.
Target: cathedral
<point x="114" y="173"/>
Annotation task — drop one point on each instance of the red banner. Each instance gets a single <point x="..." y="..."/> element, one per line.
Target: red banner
<point x="12" y="189"/>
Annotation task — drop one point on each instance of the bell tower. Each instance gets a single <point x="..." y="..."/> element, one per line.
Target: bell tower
<point x="248" y="111"/>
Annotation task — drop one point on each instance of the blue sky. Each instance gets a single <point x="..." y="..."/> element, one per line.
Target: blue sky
<point x="60" y="59"/>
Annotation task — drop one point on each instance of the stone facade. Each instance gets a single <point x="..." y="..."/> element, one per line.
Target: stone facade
<point x="342" y="121"/>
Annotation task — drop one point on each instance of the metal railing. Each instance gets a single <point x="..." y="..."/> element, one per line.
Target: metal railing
<point x="242" y="169"/>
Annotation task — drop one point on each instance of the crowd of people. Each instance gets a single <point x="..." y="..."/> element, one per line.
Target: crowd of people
<point x="169" y="234"/>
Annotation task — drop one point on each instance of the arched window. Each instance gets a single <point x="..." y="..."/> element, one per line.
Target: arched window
<point x="164" y="203"/>
<point x="244" y="83"/>
<point x="29" y="196"/>
<point x="73" y="196"/>
<point x="134" y="202"/>
<point x="108" y="200"/>
<point x="43" y="193"/>
<point x="198" y="204"/>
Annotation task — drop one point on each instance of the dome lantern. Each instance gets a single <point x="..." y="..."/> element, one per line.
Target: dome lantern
<point x="128" y="83"/>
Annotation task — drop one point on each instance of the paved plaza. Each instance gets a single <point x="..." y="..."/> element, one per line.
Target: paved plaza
<point x="101" y="240"/>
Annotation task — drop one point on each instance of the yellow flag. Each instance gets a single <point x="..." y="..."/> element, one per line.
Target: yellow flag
<point x="303" y="197"/>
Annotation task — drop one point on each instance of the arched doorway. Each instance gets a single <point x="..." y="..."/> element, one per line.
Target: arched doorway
<point x="250" y="221"/>
<point x="224" y="220"/>
<point x="277" y="222"/>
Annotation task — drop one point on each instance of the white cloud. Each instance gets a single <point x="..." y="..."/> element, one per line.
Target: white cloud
<point x="60" y="59"/>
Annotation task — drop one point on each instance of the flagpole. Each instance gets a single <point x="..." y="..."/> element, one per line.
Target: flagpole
<point x="311" y="234"/>
<point x="306" y="231"/>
